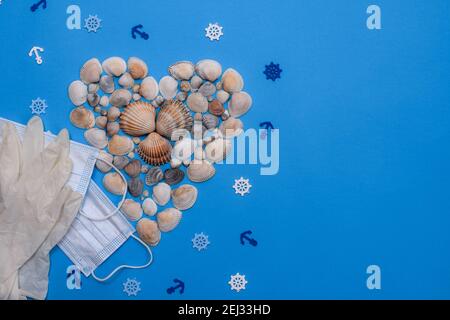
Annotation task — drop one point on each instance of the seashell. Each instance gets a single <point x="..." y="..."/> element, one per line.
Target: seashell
<point x="114" y="183"/>
<point x="239" y="104"/>
<point x="113" y="113"/>
<point x="184" y="197"/>
<point x="104" y="101"/>
<point x="135" y="187"/>
<point x="93" y="87"/>
<point x="173" y="176"/>
<point x="120" y="145"/>
<point x="175" y="163"/>
<point x="168" y="87"/>
<point x="93" y="99"/>
<point x="136" y="97"/>
<point x="232" y="81"/>
<point x="196" y="82"/>
<point x="149" y="206"/>
<point x="114" y="66"/>
<point x="131" y="209"/>
<point x="231" y="127"/>
<point x="197" y="102"/>
<point x="138" y="119"/>
<point x="161" y="193"/>
<point x="149" y="88"/>
<point x="183" y="70"/>
<point x="174" y="115"/>
<point x="91" y="70"/>
<point x="155" y="150"/>
<point x="217" y="150"/>
<point x="183" y="149"/>
<point x="137" y="68"/>
<point x="148" y="231"/>
<point x="207" y="89"/>
<point x="181" y="96"/>
<point x="120" y="97"/>
<point x="216" y="108"/>
<point x="101" y="122"/>
<point x="153" y="176"/>
<point x="120" y="162"/>
<point x="210" y="121"/>
<point x="78" y="92"/>
<point x="112" y="128"/>
<point x="209" y="69"/>
<point x="168" y="219"/>
<point x="82" y="118"/>
<point x="200" y="170"/>
<point x="96" y="138"/>
<point x="133" y="168"/>
<point x="107" y="84"/>
<point x="126" y="80"/>
<point x="185" y="86"/>
<point x="222" y="96"/>
<point x="179" y="134"/>
<point x="101" y="165"/>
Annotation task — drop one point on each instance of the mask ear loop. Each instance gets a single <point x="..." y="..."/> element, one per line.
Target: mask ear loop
<point x="121" y="201"/>
<point x="127" y="266"/>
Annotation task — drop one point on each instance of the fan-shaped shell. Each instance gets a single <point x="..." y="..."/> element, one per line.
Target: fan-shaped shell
<point x="153" y="176"/>
<point x="120" y="145"/>
<point x="173" y="115"/>
<point x="155" y="150"/>
<point x="82" y="118"/>
<point x="168" y="219"/>
<point x="184" y="197"/>
<point x="200" y="171"/>
<point x="161" y="193"/>
<point x="148" y="231"/>
<point x="96" y="138"/>
<point x="138" y="119"/>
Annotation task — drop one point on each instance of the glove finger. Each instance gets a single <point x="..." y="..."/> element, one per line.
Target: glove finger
<point x="10" y="157"/>
<point x="56" y="150"/>
<point x="33" y="143"/>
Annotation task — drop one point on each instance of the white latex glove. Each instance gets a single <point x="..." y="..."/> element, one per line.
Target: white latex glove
<point x="32" y="195"/>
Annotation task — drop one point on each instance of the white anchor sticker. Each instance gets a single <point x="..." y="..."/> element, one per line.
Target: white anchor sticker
<point x="35" y="50"/>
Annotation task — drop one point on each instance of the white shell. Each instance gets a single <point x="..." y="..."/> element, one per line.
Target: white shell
<point x="168" y="87"/>
<point x="231" y="127"/>
<point x="101" y="165"/>
<point x="239" y="104"/>
<point x="209" y="69"/>
<point x="222" y="96"/>
<point x="217" y="150"/>
<point x="149" y="206"/>
<point x="96" y="138"/>
<point x="78" y="92"/>
<point x="149" y="88"/>
<point x="197" y="102"/>
<point x="232" y="81"/>
<point x="114" y="183"/>
<point x="183" y="70"/>
<point x="114" y="66"/>
<point x="137" y="68"/>
<point x="91" y="70"/>
<point x="131" y="209"/>
<point x="161" y="193"/>
<point x="126" y="80"/>
<point x="168" y="219"/>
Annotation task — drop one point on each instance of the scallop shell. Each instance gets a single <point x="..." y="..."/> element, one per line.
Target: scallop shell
<point x="217" y="150"/>
<point x="173" y="176"/>
<point x="101" y="165"/>
<point x="148" y="231"/>
<point x="120" y="97"/>
<point x="138" y="119"/>
<point x="78" y="92"/>
<point x="107" y="84"/>
<point x="137" y="68"/>
<point x="168" y="219"/>
<point x="82" y="118"/>
<point x="149" y="206"/>
<point x="168" y="87"/>
<point x="161" y="193"/>
<point x="131" y="209"/>
<point x="197" y="102"/>
<point x="200" y="171"/>
<point x="184" y="197"/>
<point x="239" y="104"/>
<point x="114" y="66"/>
<point x="153" y="176"/>
<point x="210" y="121"/>
<point x="183" y="70"/>
<point x="209" y="69"/>
<point x="149" y="88"/>
<point x="96" y="138"/>
<point x="173" y="115"/>
<point x="126" y="80"/>
<point x="114" y="183"/>
<point x="133" y="168"/>
<point x="120" y="145"/>
<point x="155" y="150"/>
<point x="91" y="70"/>
<point x="232" y="81"/>
<point x="135" y="187"/>
<point x="231" y="127"/>
<point x="183" y="149"/>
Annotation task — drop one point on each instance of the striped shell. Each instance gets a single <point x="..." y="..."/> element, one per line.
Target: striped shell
<point x="154" y="175"/>
<point x="155" y="150"/>
<point x="138" y="119"/>
<point x="173" y="176"/>
<point x="173" y="115"/>
<point x="200" y="171"/>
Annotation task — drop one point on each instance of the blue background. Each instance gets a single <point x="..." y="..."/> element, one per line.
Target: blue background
<point x="364" y="124"/>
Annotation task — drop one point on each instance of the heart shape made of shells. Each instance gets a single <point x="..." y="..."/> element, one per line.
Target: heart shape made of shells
<point x="130" y="112"/>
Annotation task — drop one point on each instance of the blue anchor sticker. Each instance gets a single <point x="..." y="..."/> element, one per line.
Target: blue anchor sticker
<point x="245" y="236"/>
<point x="136" y="30"/>
<point x="35" y="6"/>
<point x="180" y="285"/>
